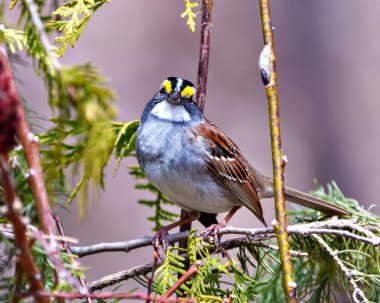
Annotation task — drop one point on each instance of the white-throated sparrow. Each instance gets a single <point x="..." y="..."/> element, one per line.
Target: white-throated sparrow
<point x="196" y="165"/>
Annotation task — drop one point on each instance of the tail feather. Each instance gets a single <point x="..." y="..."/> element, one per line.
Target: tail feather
<point x="300" y="198"/>
<point x="264" y="186"/>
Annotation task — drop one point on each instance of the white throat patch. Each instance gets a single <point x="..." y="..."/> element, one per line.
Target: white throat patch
<point x="167" y="111"/>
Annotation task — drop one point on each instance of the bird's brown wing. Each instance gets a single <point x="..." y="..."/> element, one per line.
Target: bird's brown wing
<point x="227" y="165"/>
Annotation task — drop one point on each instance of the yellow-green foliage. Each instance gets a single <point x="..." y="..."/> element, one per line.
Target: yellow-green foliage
<point x="14" y="38"/>
<point x="167" y="273"/>
<point x="189" y="6"/>
<point x="207" y="285"/>
<point x="84" y="136"/>
<point x="74" y="16"/>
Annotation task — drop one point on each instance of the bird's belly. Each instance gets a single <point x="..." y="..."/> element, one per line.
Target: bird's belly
<point x="180" y="173"/>
<point x="189" y="188"/>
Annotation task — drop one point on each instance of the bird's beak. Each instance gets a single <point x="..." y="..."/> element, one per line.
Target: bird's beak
<point x="175" y="99"/>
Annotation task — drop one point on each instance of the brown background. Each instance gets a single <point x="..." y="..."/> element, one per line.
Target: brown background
<point x="328" y="70"/>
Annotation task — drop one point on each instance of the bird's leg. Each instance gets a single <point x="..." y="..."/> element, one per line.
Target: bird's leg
<point x="213" y="229"/>
<point x="164" y="231"/>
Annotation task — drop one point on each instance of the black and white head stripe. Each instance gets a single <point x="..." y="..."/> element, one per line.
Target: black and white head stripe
<point x="178" y="86"/>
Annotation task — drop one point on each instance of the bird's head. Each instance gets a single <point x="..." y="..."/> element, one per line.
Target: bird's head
<point x="175" y="101"/>
<point x="177" y="91"/>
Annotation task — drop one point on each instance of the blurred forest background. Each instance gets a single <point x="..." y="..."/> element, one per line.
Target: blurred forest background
<point x="328" y="60"/>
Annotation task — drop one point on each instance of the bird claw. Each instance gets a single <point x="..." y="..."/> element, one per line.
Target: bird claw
<point x="211" y="233"/>
<point x="160" y="237"/>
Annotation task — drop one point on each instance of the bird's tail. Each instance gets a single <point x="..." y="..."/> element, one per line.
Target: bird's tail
<point x="264" y="185"/>
<point x="300" y="198"/>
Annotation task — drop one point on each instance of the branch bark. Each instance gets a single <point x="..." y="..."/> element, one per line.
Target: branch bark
<point x="31" y="148"/>
<point x="204" y="53"/>
<point x="104" y="295"/>
<point x="186" y="276"/>
<point x="330" y="227"/>
<point x="22" y="245"/>
<point x="270" y="81"/>
<point x="146" y="268"/>
<point x="66" y="247"/>
<point x="35" y="17"/>
<point x="349" y="274"/>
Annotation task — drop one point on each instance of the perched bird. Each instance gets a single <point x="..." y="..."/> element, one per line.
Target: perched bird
<point x="197" y="166"/>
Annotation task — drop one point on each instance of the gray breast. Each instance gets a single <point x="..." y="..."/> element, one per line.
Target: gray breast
<point x="177" y="168"/>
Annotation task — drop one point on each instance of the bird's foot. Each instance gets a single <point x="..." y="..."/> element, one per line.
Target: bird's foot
<point x="211" y="234"/>
<point x="160" y="237"/>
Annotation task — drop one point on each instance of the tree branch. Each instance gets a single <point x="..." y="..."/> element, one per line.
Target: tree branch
<point x="35" y="17"/>
<point x="186" y="276"/>
<point x="349" y="274"/>
<point x="103" y="295"/>
<point x="31" y="148"/>
<point x="22" y="246"/>
<point x="66" y="247"/>
<point x="330" y="227"/>
<point x="204" y="53"/>
<point x="270" y="81"/>
<point x="120" y="276"/>
<point x="146" y="268"/>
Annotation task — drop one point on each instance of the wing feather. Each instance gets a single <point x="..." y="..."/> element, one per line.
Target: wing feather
<point x="228" y="166"/>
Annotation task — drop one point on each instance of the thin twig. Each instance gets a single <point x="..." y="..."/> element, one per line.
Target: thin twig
<point x="294" y="253"/>
<point x="17" y="286"/>
<point x="35" y="17"/>
<point x="349" y="274"/>
<point x="66" y="247"/>
<point x="22" y="248"/>
<point x="278" y="161"/>
<point x="204" y="52"/>
<point x="63" y="273"/>
<point x="324" y="227"/>
<point x="227" y="245"/>
<point x="121" y="276"/>
<point x="186" y="276"/>
<point x="31" y="148"/>
<point x="154" y="267"/>
<point x="102" y="295"/>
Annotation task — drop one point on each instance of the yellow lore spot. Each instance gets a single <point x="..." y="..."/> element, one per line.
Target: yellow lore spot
<point x="168" y="86"/>
<point x="188" y="91"/>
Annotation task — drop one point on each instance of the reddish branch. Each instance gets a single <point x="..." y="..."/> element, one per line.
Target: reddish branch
<point x="186" y="276"/>
<point x="10" y="114"/>
<point x="31" y="149"/>
<point x="22" y="245"/>
<point x="103" y="295"/>
<point x="204" y="53"/>
<point x="18" y="281"/>
<point x="66" y="247"/>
